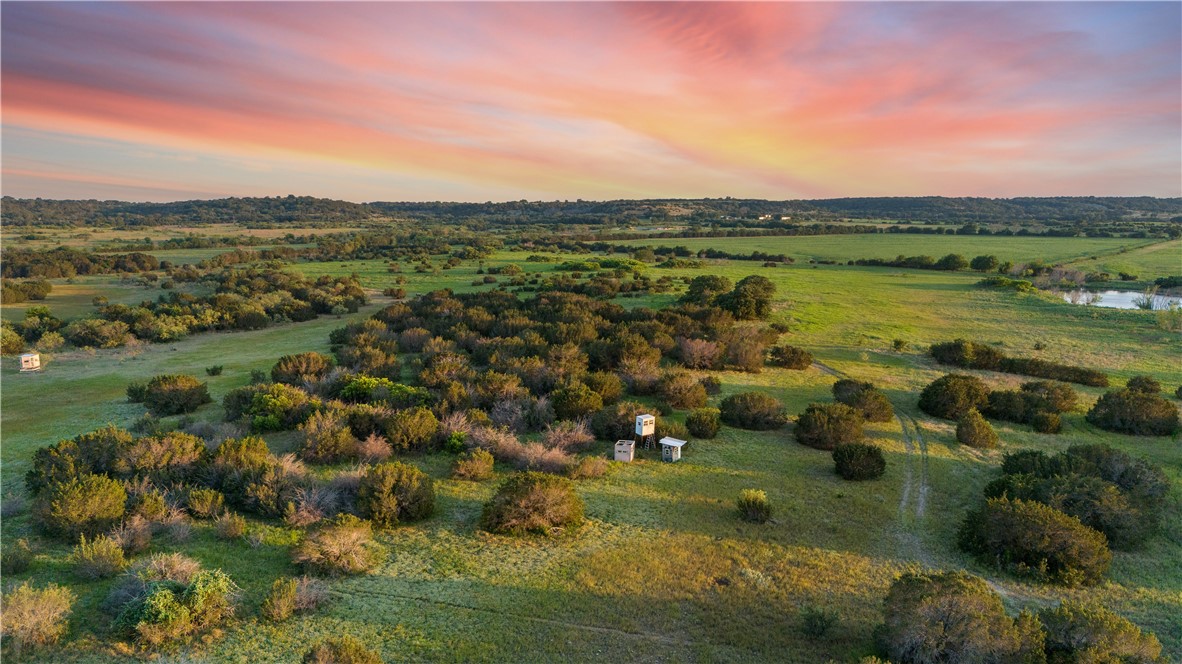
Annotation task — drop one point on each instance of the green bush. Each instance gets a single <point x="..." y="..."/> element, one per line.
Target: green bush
<point x="588" y="467"/>
<point x="574" y="401"/>
<point x="475" y="465"/>
<point x="533" y="502"/>
<point x="241" y="453"/>
<point x="824" y="426"/>
<point x="1033" y="539"/>
<point x="1137" y="413"/>
<point x="205" y="503"/>
<point x="617" y="421"/>
<point x="1046" y="422"/>
<point x="280" y="603"/>
<point x="934" y="618"/>
<point x="753" y="410"/>
<point x="11" y="343"/>
<point x="84" y="505"/>
<point x="703" y="422"/>
<point x="299" y="368"/>
<point x="1097" y="503"/>
<point x="1055" y="397"/>
<point x="175" y="394"/>
<point x="791" y="357"/>
<point x="1077" y="632"/>
<point x="170" y="611"/>
<point x="17" y="558"/>
<point x="606" y="384"/>
<point x="342" y="546"/>
<point x="859" y="461"/>
<point x="269" y="406"/>
<point x="753" y="506"/>
<point x="816" y="622"/>
<point x="96" y="452"/>
<point x="953" y="395"/>
<point x="170" y="457"/>
<point x="32" y="617"/>
<point x="136" y="392"/>
<point x="341" y="650"/>
<point x="973" y="430"/>
<point x="97" y="333"/>
<point x="682" y="391"/>
<point x="1145" y="384"/>
<point x="874" y="405"/>
<point x="99" y="558"/>
<point x="325" y="437"/>
<point x="393" y="492"/>
<point x="230" y="526"/>
<point x="411" y="430"/>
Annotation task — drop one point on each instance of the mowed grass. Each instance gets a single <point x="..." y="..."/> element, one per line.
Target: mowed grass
<point x="852" y="247"/>
<point x="1155" y="260"/>
<point x="664" y="570"/>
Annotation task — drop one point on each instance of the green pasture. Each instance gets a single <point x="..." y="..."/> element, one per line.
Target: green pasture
<point x="889" y="245"/>
<point x="664" y="570"/>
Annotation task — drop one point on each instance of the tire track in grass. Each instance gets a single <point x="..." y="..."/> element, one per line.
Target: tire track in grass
<point x="611" y="631"/>
<point x="913" y="501"/>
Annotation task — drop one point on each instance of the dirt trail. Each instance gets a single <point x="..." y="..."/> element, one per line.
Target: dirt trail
<point x="913" y="501"/>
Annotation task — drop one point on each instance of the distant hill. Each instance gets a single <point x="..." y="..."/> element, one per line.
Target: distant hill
<point x="305" y="210"/>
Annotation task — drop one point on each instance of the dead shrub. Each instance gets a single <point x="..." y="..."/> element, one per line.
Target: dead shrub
<point x="230" y="526"/>
<point x="568" y="436"/>
<point x="587" y="468"/>
<point x="344" y="546"/>
<point x="374" y="449"/>
<point x="32" y="617"/>
<point x="134" y="535"/>
<point x="475" y="465"/>
<point x="309" y="505"/>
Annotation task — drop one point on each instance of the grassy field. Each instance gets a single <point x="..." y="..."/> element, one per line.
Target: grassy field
<point x="664" y="570"/>
<point x="95" y="237"/>
<point x="1155" y="260"/>
<point x="852" y="247"/>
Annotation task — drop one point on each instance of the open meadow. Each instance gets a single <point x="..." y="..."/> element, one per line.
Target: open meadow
<point x="663" y="570"/>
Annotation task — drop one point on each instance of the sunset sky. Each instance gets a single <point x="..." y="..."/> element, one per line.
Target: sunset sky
<point x="490" y="101"/>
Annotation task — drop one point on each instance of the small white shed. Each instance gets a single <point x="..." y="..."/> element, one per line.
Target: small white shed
<point x="646" y="425"/>
<point x="625" y="450"/>
<point x="30" y="362"/>
<point x="671" y="449"/>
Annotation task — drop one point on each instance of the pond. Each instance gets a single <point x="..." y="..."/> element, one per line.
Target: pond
<point x="1117" y="299"/>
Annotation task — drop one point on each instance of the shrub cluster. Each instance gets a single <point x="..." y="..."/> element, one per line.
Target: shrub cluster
<point x="859" y="461"/>
<point x="343" y="546"/>
<point x="531" y="502"/>
<point x="168" y="611"/>
<point x="754" y="506"/>
<point x="974" y="355"/>
<point x="953" y="396"/>
<point x="34" y="617"/>
<point x="953" y="617"/>
<point x="828" y="425"/>
<point x="1106" y="489"/>
<point x="704" y="422"/>
<point x="393" y="492"/>
<point x="173" y="394"/>
<point x="873" y="404"/>
<point x="1030" y="538"/>
<point x="1136" y="412"/>
<point x="753" y="410"/>
<point x="791" y="357"/>
<point x="974" y="431"/>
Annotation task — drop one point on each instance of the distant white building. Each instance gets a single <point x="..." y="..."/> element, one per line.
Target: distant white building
<point x="30" y="362"/>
